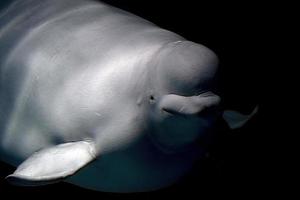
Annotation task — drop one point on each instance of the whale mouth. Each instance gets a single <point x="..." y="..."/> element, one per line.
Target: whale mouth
<point x="204" y="103"/>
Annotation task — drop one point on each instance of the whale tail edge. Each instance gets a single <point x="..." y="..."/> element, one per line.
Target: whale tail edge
<point x="236" y="120"/>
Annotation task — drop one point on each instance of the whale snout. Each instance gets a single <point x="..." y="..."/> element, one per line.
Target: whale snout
<point x="182" y="120"/>
<point x="186" y="106"/>
<point x="191" y="105"/>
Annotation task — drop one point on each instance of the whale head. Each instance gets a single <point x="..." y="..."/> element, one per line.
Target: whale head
<point x="184" y="104"/>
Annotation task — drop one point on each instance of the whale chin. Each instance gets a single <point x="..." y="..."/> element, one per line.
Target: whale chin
<point x="139" y="168"/>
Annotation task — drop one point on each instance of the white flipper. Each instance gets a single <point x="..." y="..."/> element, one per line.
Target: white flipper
<point x="235" y="119"/>
<point x="53" y="164"/>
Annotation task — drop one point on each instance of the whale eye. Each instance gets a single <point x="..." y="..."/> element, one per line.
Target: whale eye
<point x="152" y="99"/>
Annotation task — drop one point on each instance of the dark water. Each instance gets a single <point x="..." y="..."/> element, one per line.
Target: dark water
<point x="236" y="164"/>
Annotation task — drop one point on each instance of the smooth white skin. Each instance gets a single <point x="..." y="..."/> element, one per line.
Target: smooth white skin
<point x="90" y="71"/>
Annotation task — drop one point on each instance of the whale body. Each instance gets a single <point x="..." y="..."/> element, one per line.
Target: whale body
<point x="101" y="98"/>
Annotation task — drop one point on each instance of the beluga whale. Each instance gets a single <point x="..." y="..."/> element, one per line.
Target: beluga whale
<point x="101" y="98"/>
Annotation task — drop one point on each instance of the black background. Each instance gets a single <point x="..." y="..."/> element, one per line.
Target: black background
<point x="239" y="34"/>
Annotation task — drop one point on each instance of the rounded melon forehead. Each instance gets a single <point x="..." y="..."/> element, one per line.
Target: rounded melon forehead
<point x="186" y="67"/>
